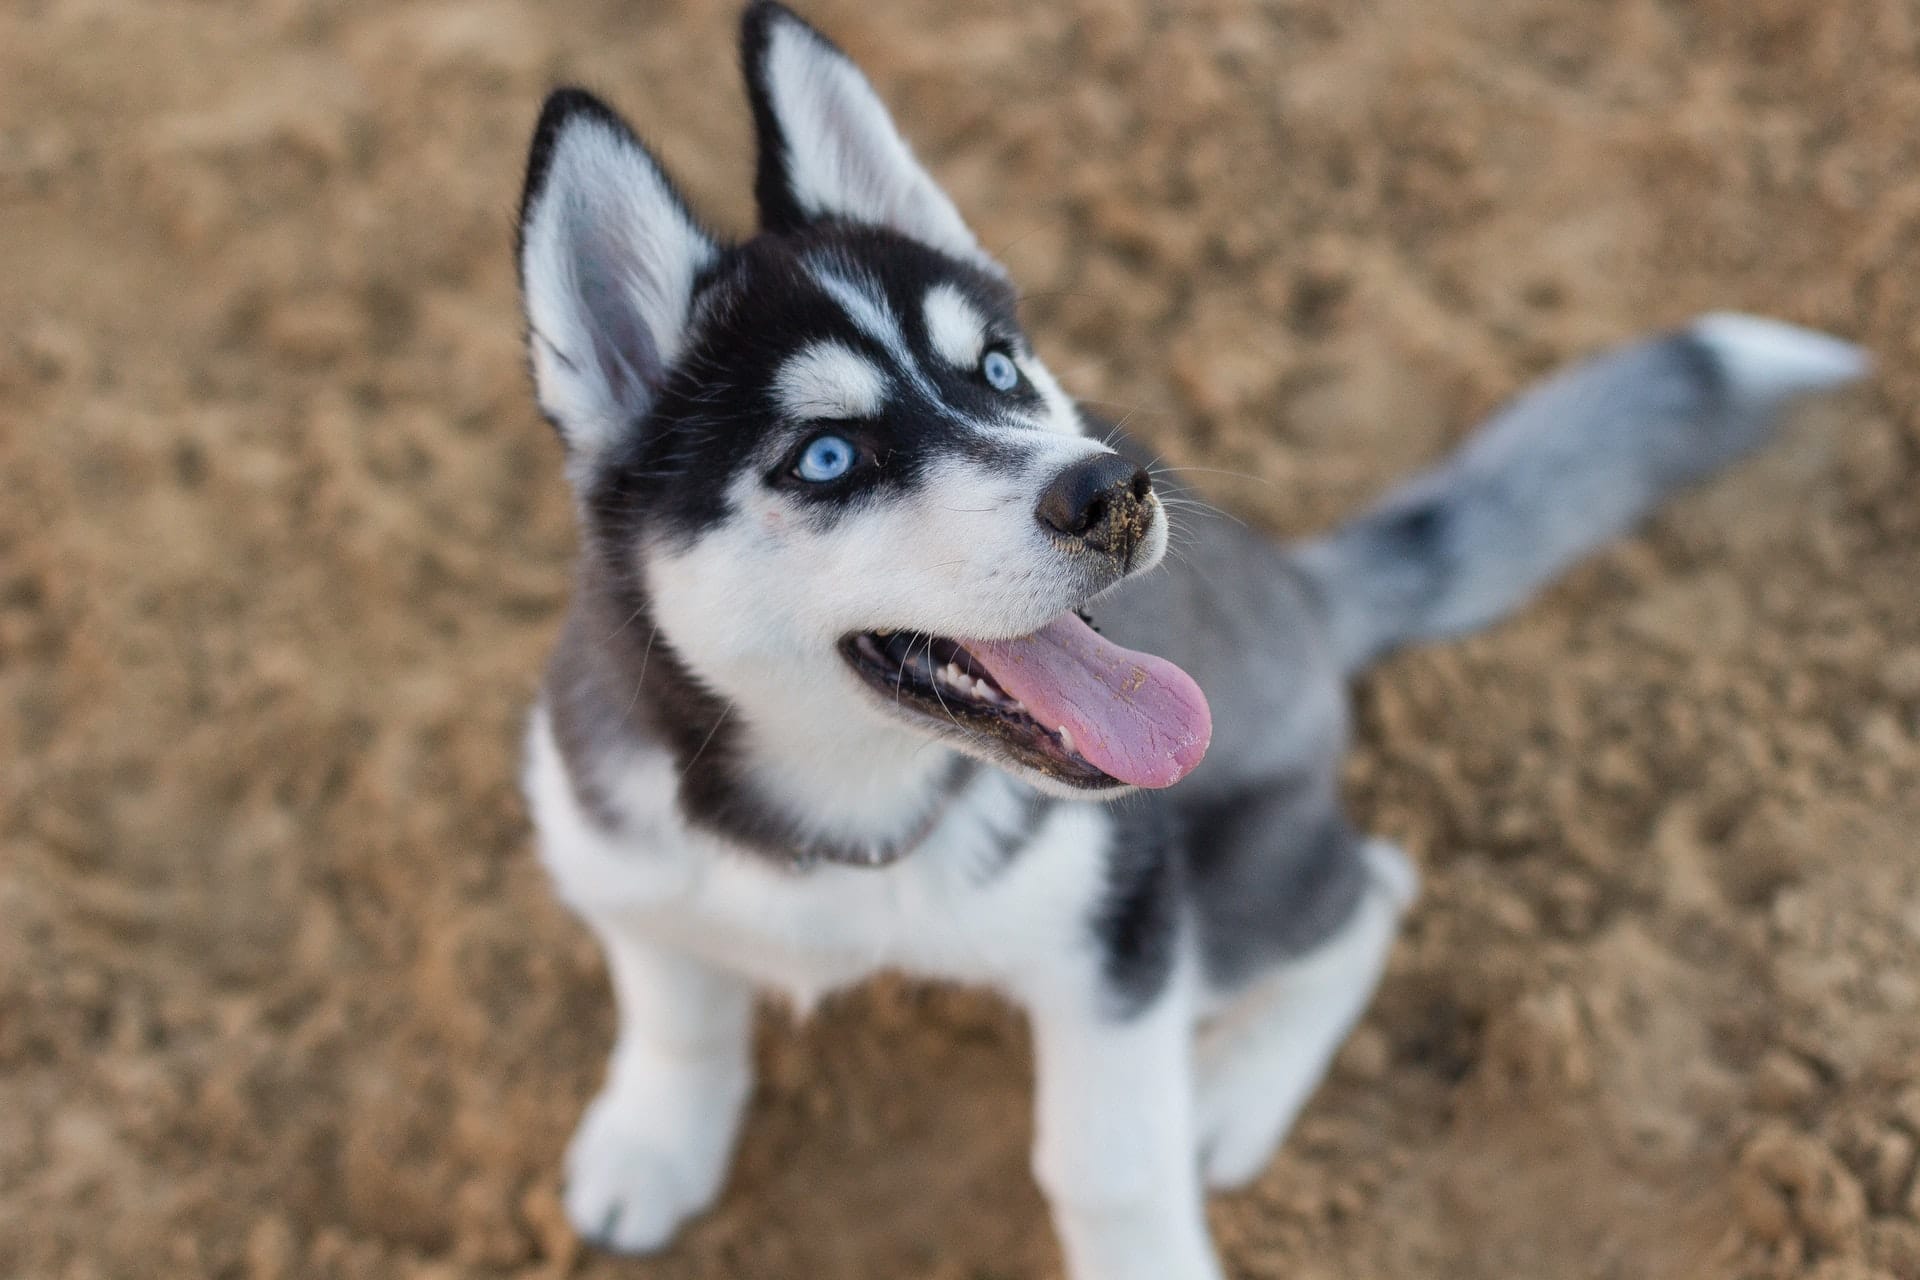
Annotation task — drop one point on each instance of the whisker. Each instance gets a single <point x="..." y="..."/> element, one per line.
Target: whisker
<point x="629" y="622"/>
<point x="1001" y="252"/>
<point x="941" y="700"/>
<point x="1055" y="293"/>
<point x="717" y="722"/>
<point x="1160" y="411"/>
<point x="1221" y="471"/>
<point x="900" y="676"/>
<point x="640" y="681"/>
<point x="1204" y="508"/>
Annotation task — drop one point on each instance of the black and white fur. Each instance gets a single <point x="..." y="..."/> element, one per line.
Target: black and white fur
<point x="731" y="808"/>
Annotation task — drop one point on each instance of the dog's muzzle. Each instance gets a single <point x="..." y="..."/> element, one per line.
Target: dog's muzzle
<point x="1103" y="503"/>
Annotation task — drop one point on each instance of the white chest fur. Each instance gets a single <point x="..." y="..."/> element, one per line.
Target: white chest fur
<point x="963" y="906"/>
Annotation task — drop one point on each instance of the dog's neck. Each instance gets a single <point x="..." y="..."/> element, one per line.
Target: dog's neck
<point x="838" y="772"/>
<point x="798" y="776"/>
<point x="783" y="767"/>
<point x="845" y="785"/>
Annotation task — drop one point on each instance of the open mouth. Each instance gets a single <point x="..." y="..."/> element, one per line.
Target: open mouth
<point x="1063" y="701"/>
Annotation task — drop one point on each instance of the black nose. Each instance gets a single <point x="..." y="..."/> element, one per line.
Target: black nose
<point x="1100" y="500"/>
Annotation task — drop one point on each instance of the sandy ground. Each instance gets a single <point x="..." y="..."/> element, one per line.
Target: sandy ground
<point x="282" y="542"/>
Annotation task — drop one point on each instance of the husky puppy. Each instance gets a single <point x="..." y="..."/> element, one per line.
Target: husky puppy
<point x="827" y="701"/>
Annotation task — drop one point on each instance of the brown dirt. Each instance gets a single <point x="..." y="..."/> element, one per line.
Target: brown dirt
<point x="282" y="992"/>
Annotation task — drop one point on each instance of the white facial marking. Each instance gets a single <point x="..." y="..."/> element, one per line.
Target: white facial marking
<point x="1061" y="415"/>
<point x="958" y="331"/>
<point x="865" y="304"/>
<point x="827" y="380"/>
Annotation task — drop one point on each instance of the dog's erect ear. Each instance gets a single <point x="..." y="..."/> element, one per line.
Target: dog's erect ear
<point x="609" y="255"/>
<point x="828" y="148"/>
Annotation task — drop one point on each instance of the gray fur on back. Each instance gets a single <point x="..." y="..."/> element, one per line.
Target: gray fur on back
<point x="1271" y="861"/>
<point x="1272" y="633"/>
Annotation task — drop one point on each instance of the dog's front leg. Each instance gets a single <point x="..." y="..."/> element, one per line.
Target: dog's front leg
<point x="653" y="1147"/>
<point x="1114" y="1139"/>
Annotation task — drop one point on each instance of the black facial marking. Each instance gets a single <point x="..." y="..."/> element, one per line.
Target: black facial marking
<point x="994" y="451"/>
<point x="873" y="454"/>
<point x="762" y="304"/>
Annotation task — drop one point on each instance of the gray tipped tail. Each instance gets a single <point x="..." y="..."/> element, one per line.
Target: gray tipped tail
<point x="1571" y="464"/>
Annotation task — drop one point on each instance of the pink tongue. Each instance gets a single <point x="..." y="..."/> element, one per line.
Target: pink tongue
<point x="1134" y="716"/>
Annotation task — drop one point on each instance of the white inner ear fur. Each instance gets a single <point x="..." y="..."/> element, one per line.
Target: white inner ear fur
<point x="958" y="331"/>
<point x="827" y="380"/>
<point x="609" y="261"/>
<point x="844" y="156"/>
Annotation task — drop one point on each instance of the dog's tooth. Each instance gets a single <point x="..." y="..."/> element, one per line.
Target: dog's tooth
<point x="1066" y="739"/>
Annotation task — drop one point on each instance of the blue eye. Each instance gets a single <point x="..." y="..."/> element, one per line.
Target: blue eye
<point x="1001" y="373"/>
<point x="825" y="458"/>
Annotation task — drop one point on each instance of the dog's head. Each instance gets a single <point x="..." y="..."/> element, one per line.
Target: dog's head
<point x="827" y="457"/>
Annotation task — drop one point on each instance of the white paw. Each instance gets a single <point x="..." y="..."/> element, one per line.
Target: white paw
<point x="1242" y="1122"/>
<point x="627" y="1189"/>
<point x="1269" y="1054"/>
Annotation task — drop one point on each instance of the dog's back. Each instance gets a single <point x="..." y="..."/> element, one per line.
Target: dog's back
<point x="1274" y="631"/>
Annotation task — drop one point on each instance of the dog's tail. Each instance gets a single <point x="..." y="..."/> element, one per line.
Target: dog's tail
<point x="1569" y="465"/>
